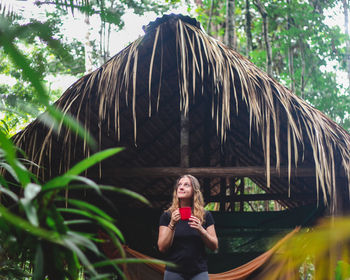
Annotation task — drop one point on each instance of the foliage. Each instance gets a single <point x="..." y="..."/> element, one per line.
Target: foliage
<point x="111" y="11"/>
<point x="325" y="246"/>
<point x="297" y="28"/>
<point x="32" y="36"/>
<point x="41" y="228"/>
<point x="247" y="206"/>
<point x="19" y="101"/>
<point x="34" y="230"/>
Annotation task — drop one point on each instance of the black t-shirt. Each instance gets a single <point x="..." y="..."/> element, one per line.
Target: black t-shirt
<point x="187" y="250"/>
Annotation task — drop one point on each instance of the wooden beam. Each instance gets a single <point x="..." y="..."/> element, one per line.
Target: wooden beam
<point x="248" y="197"/>
<point x="208" y="172"/>
<point x="264" y="197"/>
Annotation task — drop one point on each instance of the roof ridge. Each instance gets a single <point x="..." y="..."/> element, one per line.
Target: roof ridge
<point x="170" y="17"/>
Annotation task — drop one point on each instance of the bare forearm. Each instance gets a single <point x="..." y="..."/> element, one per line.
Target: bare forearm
<point x="165" y="239"/>
<point x="210" y="240"/>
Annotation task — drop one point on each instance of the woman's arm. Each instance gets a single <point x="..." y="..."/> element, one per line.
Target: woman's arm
<point x="165" y="238"/>
<point x="208" y="235"/>
<point x="166" y="233"/>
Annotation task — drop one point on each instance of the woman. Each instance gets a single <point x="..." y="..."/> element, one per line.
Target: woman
<point x="184" y="241"/>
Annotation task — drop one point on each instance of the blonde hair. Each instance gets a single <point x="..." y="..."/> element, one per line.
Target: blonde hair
<point x="197" y="198"/>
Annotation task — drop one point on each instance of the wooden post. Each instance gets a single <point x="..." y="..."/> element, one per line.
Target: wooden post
<point x="241" y="192"/>
<point x="184" y="140"/>
<point x="223" y="179"/>
<point x="207" y="150"/>
<point x="232" y="186"/>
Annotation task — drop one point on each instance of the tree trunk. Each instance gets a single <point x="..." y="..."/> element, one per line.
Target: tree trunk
<point x="210" y="17"/>
<point x="266" y="206"/>
<point x="290" y="53"/>
<point x="302" y="78"/>
<point x="248" y="29"/>
<point x="88" y="47"/>
<point x="291" y="68"/>
<point x="241" y="191"/>
<point x="346" y="23"/>
<point x="263" y="13"/>
<point x="230" y="24"/>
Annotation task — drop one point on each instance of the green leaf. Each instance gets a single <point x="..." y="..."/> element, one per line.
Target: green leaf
<point x="81" y="240"/>
<point x="4" y="127"/>
<point x="112" y="227"/>
<point x="73" y="264"/>
<point x="10" y="170"/>
<point x="3" y="182"/>
<point x="68" y="243"/>
<point x="87" y="206"/>
<point x="55" y="118"/>
<point x="23" y="63"/>
<point x="30" y="192"/>
<point x="104" y="276"/>
<point x="131" y="260"/>
<point x="38" y="263"/>
<point x="80" y="167"/>
<point x="62" y="181"/>
<point x="20" y="223"/>
<point x="126" y="192"/>
<point x="98" y="219"/>
<point x="10" y="154"/>
<point x="77" y="222"/>
<point x="123" y="191"/>
<point x="9" y="193"/>
<point x="95" y="158"/>
<point x="56" y="221"/>
<point x="35" y="79"/>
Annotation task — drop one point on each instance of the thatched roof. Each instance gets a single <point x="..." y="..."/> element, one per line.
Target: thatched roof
<point x="238" y="116"/>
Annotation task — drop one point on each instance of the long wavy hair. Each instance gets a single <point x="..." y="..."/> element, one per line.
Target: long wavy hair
<point x="197" y="204"/>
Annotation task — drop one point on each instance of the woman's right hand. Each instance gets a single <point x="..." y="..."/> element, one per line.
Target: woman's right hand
<point x="175" y="217"/>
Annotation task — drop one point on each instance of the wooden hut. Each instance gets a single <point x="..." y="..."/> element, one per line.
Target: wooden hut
<point x="182" y="102"/>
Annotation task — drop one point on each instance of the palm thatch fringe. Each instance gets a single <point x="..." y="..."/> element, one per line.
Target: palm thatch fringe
<point x="200" y="57"/>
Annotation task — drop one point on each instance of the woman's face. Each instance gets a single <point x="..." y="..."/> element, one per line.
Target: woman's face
<point x="184" y="188"/>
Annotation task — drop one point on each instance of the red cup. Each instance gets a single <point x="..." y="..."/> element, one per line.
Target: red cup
<point x="185" y="213"/>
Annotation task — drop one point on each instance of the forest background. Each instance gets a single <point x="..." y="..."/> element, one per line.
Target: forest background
<point x="291" y="40"/>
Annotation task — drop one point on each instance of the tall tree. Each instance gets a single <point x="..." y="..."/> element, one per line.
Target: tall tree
<point x="88" y="46"/>
<point x="210" y="16"/>
<point x="248" y="29"/>
<point x="302" y="47"/>
<point x="290" y="51"/>
<point x="230" y="32"/>
<point x="346" y="25"/>
<point x="265" y="30"/>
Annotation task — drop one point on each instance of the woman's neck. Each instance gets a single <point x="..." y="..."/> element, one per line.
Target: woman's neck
<point x="185" y="203"/>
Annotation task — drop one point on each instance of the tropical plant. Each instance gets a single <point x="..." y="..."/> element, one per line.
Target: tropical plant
<point x="36" y="235"/>
<point x="40" y="224"/>
<point x="318" y="253"/>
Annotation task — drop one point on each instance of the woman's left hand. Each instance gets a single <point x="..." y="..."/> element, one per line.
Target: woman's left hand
<point x="194" y="222"/>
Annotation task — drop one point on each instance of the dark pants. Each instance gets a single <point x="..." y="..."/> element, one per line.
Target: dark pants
<point x="169" y="275"/>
